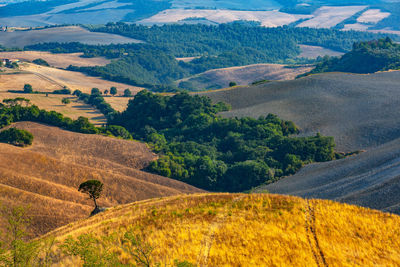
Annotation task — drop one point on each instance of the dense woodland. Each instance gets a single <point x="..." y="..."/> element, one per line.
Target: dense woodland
<point x="152" y="64"/>
<point x="366" y="57"/>
<point x="201" y="148"/>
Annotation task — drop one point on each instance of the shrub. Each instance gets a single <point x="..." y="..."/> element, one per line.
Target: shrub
<point x="16" y="137"/>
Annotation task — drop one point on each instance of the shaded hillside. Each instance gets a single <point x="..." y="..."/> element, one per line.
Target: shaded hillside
<point x="47" y="175"/>
<point x="370" y="179"/>
<point x="358" y="110"/>
<point x="246" y="230"/>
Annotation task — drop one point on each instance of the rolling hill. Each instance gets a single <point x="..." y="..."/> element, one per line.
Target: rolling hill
<point x="244" y="230"/>
<point x="243" y="75"/>
<point x="357" y="110"/>
<point x="370" y="179"/>
<point x="47" y="174"/>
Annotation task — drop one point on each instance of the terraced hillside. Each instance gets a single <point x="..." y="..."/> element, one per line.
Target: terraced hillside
<point x="370" y="179"/>
<point x="245" y="230"/>
<point x="358" y="110"/>
<point x="47" y="174"/>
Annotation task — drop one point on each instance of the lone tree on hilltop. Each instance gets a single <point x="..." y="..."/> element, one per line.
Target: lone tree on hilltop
<point x="113" y="91"/>
<point x="93" y="188"/>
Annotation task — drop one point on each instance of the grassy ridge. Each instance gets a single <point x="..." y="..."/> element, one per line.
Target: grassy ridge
<point x="248" y="230"/>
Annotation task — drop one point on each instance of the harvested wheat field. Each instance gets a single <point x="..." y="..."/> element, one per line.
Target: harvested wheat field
<point x="47" y="174"/>
<point x="246" y="230"/>
<point x="244" y="75"/>
<point x="56" y="60"/>
<point x="75" y="80"/>
<point x="52" y="102"/>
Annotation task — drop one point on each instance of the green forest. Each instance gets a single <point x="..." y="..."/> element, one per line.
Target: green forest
<point x="365" y="57"/>
<point x="201" y="148"/>
<point x="152" y="64"/>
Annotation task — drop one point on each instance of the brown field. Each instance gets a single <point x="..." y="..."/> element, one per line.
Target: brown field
<point x="53" y="102"/>
<point x="56" y="60"/>
<point x="47" y="174"/>
<point x="247" y="230"/>
<point x="244" y="75"/>
<point x="47" y="79"/>
<point x="57" y="34"/>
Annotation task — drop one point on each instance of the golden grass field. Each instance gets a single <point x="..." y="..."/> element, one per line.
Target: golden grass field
<point x="47" y="174"/>
<point x="248" y="230"/>
<point x="48" y="79"/>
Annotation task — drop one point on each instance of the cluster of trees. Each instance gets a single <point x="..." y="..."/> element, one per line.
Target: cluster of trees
<point x="366" y="57"/>
<point x="41" y="62"/>
<point x="152" y="64"/>
<point x="16" y="137"/>
<point x="96" y="100"/>
<point x="19" y="109"/>
<point x="219" y="154"/>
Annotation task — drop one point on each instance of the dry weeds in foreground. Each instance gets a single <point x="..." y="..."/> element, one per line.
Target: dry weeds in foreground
<point x="250" y="230"/>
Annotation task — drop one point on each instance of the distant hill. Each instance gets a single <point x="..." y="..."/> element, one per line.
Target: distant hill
<point x="243" y="75"/>
<point x="365" y="57"/>
<point x="365" y="15"/>
<point x="246" y="230"/>
<point x="46" y="176"/>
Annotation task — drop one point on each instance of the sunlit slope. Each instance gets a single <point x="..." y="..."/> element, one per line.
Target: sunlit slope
<point x="47" y="174"/>
<point x="250" y="230"/>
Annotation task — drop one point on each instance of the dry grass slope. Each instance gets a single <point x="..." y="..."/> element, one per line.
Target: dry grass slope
<point x="47" y="175"/>
<point x="249" y="230"/>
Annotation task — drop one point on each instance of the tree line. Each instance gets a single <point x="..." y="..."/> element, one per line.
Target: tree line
<point x="153" y="64"/>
